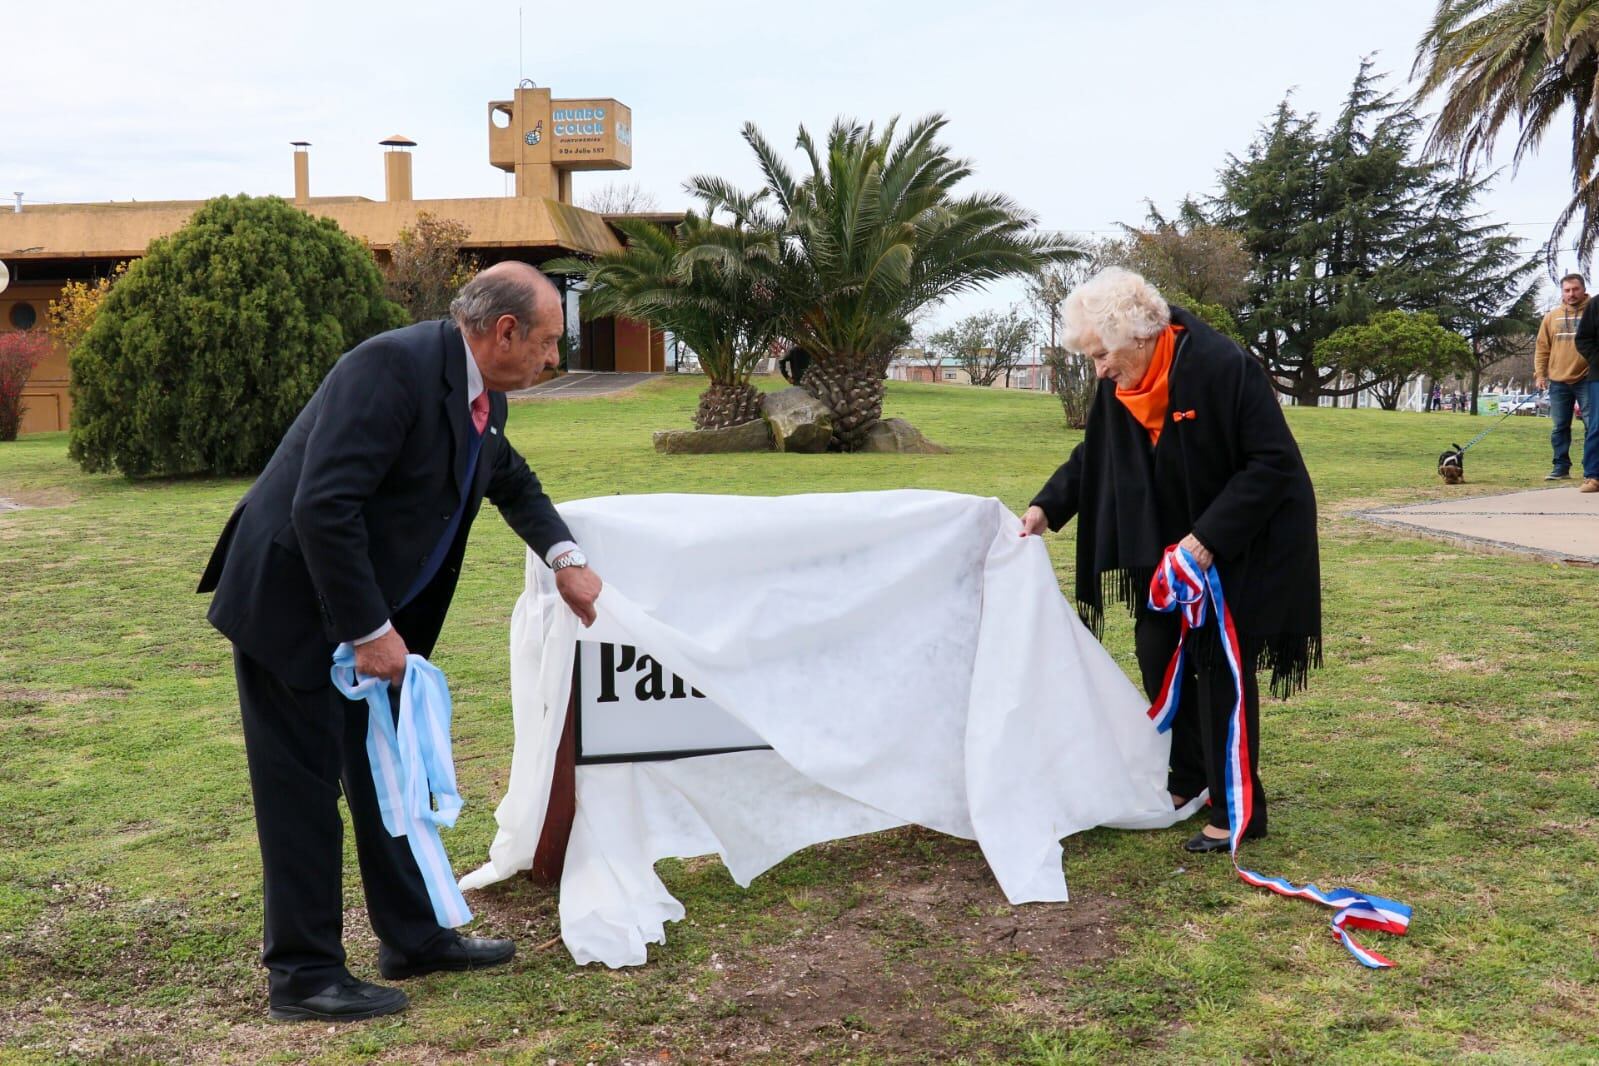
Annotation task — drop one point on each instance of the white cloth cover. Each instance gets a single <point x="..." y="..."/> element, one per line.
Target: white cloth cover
<point x="908" y="657"/>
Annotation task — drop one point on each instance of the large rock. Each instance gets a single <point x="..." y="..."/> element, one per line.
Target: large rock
<point x="898" y="435"/>
<point x="749" y="437"/>
<point x="800" y="422"/>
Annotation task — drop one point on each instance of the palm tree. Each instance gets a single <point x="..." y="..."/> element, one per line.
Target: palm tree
<point x="1496" y="60"/>
<point x="871" y="234"/>
<point x="709" y="284"/>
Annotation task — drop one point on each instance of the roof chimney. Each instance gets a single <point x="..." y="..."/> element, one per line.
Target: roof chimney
<point x="397" y="167"/>
<point x="302" y="171"/>
<point x="17" y="209"/>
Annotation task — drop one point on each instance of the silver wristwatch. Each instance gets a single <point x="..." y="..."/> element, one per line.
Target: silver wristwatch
<point x="575" y="557"/>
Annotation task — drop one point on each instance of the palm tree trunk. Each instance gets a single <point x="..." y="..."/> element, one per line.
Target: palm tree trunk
<point x="853" y="390"/>
<point x="728" y="404"/>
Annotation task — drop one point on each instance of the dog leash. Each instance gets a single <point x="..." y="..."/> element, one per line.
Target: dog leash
<point x="1180" y="585"/>
<point x="412" y="768"/>
<point x="1462" y="451"/>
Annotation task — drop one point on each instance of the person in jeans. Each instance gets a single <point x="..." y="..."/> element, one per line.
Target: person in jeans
<point x="1573" y="382"/>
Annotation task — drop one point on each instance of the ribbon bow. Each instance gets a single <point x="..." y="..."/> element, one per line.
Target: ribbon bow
<point x="1178" y="416"/>
<point x="1180" y="585"/>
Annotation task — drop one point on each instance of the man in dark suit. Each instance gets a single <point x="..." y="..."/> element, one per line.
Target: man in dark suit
<point x="355" y="532"/>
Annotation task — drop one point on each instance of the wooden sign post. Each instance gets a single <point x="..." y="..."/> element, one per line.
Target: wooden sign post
<point x="626" y="707"/>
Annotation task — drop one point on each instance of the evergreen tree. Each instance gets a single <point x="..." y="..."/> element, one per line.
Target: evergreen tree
<point x="201" y="356"/>
<point x="1342" y="224"/>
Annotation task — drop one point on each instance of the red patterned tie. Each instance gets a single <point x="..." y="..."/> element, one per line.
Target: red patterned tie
<point x="480" y="411"/>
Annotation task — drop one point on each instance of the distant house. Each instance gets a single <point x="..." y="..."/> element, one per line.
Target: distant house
<point x="45" y="246"/>
<point x="917" y="364"/>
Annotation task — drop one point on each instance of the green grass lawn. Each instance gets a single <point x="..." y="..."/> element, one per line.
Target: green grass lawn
<point x="1446" y="756"/>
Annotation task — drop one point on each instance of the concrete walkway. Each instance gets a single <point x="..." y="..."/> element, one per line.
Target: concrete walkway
<point x="580" y="384"/>
<point x="1560" y="524"/>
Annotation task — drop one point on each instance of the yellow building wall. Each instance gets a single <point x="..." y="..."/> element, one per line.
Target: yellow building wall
<point x="99" y="232"/>
<point x="124" y="231"/>
<point x="47" y="397"/>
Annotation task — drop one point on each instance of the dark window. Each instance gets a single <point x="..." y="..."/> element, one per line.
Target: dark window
<point x="23" y="316"/>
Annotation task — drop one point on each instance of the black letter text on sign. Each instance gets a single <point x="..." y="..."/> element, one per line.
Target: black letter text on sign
<point x="632" y="708"/>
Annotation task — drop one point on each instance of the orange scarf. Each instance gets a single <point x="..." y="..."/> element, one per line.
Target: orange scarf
<point x="1147" y="401"/>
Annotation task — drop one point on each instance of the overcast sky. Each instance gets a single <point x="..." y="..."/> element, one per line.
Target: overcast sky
<point x="1078" y="110"/>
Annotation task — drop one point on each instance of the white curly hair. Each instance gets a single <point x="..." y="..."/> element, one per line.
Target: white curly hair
<point x="1118" y="306"/>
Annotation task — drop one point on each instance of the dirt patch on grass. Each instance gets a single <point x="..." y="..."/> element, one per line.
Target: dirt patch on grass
<point x="25" y="499"/>
<point x="907" y="961"/>
<point x="1476" y="664"/>
<point x="55" y="997"/>
<point x="908" y="964"/>
<point x="58" y="697"/>
<point x="1545" y="730"/>
<point x="222" y="1018"/>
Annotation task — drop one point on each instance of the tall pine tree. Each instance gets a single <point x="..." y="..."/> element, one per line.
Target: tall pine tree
<point x="1345" y="222"/>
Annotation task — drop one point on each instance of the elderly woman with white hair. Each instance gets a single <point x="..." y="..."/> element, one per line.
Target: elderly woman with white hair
<point x="1186" y="444"/>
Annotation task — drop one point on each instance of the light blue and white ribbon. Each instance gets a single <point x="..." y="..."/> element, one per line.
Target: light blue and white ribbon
<point x="412" y="768"/>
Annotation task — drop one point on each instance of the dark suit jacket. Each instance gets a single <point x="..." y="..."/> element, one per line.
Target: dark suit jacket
<point x="337" y="528"/>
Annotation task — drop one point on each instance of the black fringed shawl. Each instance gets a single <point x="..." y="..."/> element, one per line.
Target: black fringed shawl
<point x="1229" y="472"/>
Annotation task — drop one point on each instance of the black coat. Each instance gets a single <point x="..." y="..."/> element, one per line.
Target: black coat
<point x="1587" y="339"/>
<point x="337" y="528"/>
<point x="1229" y="472"/>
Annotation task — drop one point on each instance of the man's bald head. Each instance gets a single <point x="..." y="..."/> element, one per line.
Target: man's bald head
<point x="509" y="288"/>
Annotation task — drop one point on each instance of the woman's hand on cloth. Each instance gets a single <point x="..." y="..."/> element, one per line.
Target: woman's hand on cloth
<point x="1200" y="553"/>
<point x="1034" y="522"/>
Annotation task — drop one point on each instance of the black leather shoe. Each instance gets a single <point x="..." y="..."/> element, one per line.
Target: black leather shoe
<point x="1201" y="843"/>
<point x="463" y="953"/>
<point x="345" y="1000"/>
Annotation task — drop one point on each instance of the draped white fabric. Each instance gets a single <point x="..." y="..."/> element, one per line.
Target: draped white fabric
<point x="907" y="656"/>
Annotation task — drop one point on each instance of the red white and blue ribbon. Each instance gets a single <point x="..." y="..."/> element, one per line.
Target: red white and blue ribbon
<point x="1181" y="585"/>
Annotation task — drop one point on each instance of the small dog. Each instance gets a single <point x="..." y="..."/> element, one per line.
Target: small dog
<point x="1452" y="465"/>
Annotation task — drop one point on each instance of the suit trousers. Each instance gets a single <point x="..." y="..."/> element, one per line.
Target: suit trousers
<point x="302" y="745"/>
<point x="1199" y="733"/>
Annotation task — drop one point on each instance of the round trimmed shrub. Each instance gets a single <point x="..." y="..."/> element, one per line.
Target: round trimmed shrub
<point x="204" y="352"/>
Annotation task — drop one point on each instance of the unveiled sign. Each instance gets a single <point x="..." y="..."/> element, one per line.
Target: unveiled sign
<point x="632" y="708"/>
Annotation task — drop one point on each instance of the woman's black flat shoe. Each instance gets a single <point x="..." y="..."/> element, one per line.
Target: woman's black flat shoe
<point x="1200" y="842"/>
